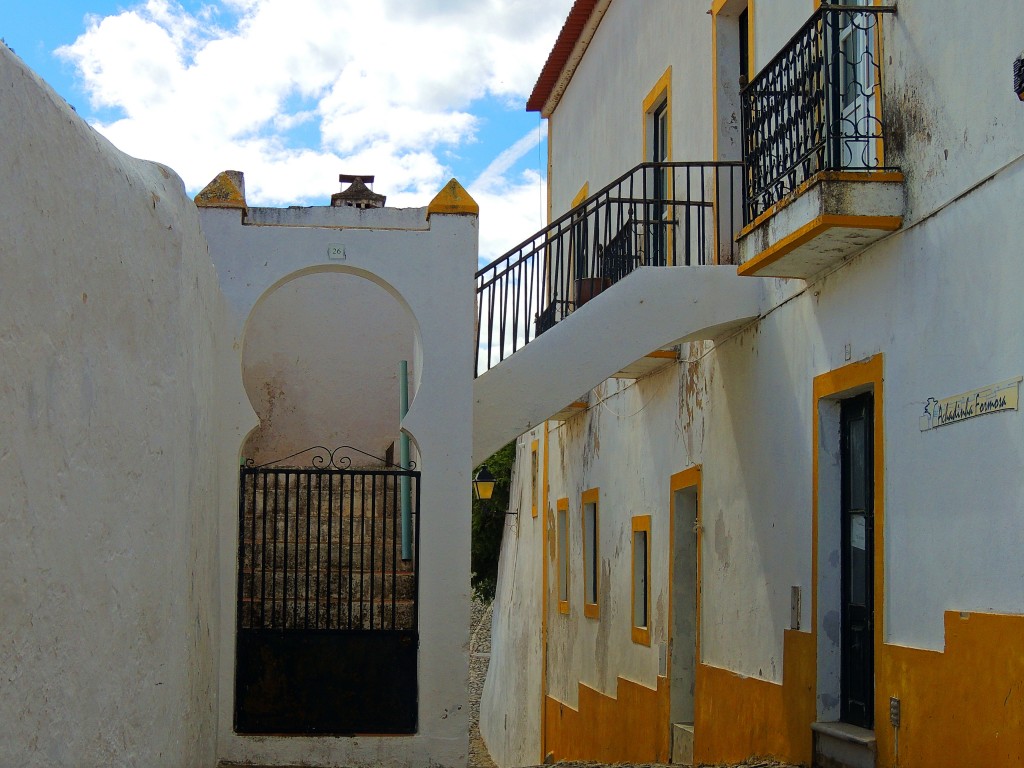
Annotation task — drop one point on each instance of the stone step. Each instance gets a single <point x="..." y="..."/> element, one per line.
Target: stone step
<point x="682" y="743"/>
<point x="841" y="745"/>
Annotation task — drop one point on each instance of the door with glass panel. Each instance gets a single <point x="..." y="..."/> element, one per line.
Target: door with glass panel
<point x="857" y="88"/>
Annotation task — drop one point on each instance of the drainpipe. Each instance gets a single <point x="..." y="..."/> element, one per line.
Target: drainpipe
<point x="403" y="440"/>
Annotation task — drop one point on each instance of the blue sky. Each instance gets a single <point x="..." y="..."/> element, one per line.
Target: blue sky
<point x="294" y="92"/>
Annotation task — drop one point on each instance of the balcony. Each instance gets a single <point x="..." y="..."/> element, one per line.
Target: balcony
<point x="613" y="286"/>
<point x="818" y="188"/>
<point x="656" y="215"/>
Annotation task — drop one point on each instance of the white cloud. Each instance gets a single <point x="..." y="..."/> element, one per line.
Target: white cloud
<point x="511" y="208"/>
<point x="387" y="86"/>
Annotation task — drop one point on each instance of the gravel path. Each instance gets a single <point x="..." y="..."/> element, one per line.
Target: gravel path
<point x="479" y="656"/>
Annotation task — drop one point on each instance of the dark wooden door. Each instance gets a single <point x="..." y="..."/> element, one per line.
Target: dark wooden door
<point x="857" y="650"/>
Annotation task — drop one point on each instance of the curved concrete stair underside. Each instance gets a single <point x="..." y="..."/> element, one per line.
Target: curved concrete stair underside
<point x="651" y="308"/>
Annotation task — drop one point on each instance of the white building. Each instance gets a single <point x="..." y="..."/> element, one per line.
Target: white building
<point x="791" y="527"/>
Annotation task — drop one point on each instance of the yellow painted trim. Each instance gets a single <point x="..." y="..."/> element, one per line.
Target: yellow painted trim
<point x="718" y="9"/>
<point x="879" y="57"/>
<point x="738" y="716"/>
<point x="453" y="199"/>
<point x="544" y="598"/>
<point x="660" y="94"/>
<point x="534" y="481"/>
<point x="810" y="231"/>
<point x="714" y="78"/>
<point x="562" y="505"/>
<point x="582" y="195"/>
<point x="832" y="385"/>
<point x="640" y="635"/>
<point x="627" y="727"/>
<point x="227" y="190"/>
<point x="663" y="354"/>
<point x="548" y="180"/>
<point x="688" y="478"/>
<point x="751" y="39"/>
<point x="965" y="700"/>
<point x="870" y="177"/>
<point x="591" y="496"/>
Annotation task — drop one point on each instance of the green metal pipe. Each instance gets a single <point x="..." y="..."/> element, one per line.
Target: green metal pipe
<point x="403" y="441"/>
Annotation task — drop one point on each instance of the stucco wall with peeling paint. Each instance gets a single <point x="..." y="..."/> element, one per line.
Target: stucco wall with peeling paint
<point x="320" y="366"/>
<point x="108" y="310"/>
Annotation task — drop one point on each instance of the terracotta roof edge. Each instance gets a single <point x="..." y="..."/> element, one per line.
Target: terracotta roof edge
<point x="573" y="31"/>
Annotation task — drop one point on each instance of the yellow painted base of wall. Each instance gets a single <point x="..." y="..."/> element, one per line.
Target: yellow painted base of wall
<point x="961" y="707"/>
<point x="739" y="717"/>
<point x="631" y="727"/>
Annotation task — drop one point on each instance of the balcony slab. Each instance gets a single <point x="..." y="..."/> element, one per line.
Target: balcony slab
<point x="649" y="363"/>
<point x="827" y="219"/>
<point x="650" y="309"/>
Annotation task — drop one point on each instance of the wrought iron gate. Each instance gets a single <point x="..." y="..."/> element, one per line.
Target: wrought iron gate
<point x="327" y="617"/>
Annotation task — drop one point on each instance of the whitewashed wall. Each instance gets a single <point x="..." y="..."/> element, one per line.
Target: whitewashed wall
<point x="320" y="366"/>
<point x="510" y="711"/>
<point x="597" y="131"/>
<point x="939" y="300"/>
<point x="425" y="265"/>
<point x="108" y="314"/>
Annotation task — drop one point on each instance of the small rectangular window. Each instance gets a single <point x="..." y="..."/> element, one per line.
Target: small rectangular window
<point x="641" y="579"/>
<point x="534" y="482"/>
<point x="562" y="516"/>
<point x="591" y="553"/>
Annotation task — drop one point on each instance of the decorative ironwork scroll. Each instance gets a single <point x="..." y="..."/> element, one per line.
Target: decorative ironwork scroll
<point x="816" y="106"/>
<point x="326" y="458"/>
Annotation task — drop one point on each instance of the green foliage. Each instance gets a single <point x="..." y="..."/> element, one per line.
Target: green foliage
<point x="489" y="522"/>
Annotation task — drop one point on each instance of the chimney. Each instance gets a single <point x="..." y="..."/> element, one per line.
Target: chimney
<point x="357" y="194"/>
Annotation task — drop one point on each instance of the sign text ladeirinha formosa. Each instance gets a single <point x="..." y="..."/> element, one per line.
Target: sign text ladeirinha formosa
<point x="995" y="397"/>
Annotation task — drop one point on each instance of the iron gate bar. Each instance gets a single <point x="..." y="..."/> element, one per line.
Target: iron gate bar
<point x="317" y="607"/>
<point x="534" y="285"/>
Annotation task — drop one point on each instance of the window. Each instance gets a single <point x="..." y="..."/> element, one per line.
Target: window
<point x="642" y="579"/>
<point x="591" y="554"/>
<point x="658" y="149"/>
<point x="534" y="483"/>
<point x="562" y="517"/>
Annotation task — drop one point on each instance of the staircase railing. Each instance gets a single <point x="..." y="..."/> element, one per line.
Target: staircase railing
<point x="657" y="214"/>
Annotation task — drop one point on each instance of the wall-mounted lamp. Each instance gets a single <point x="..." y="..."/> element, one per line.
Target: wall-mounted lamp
<point x="1018" y="76"/>
<point x="483" y="483"/>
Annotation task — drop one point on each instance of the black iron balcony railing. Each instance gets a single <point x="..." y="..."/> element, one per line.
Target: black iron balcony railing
<point x="658" y="214"/>
<point x="816" y="106"/>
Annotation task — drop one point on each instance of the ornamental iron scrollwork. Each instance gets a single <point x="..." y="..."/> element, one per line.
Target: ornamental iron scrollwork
<point x="816" y="106"/>
<point x="325" y="458"/>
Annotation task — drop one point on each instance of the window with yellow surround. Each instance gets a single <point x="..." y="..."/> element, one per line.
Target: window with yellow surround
<point x="642" y="579"/>
<point x="591" y="554"/>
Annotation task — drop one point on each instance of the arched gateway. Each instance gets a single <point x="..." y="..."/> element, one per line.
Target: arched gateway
<point x="335" y="631"/>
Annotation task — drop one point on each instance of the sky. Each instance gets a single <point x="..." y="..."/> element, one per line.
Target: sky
<point x="295" y="92"/>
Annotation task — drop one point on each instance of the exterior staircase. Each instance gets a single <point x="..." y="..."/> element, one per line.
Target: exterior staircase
<point x="647" y="262"/>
